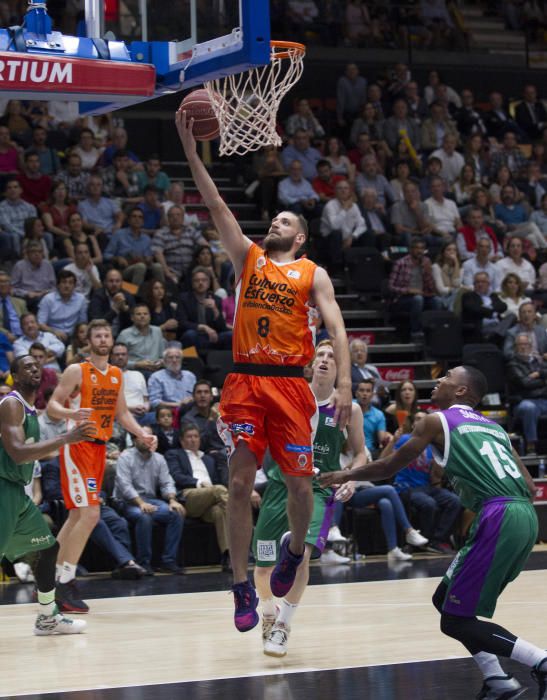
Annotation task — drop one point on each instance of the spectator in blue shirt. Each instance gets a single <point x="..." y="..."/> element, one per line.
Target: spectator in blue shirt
<point x="296" y="194"/>
<point x="6" y="356"/>
<point x="154" y="214"/>
<point x="302" y="151"/>
<point x="374" y="421"/>
<point x="130" y="251"/>
<point x="172" y="386"/>
<point x="514" y="216"/>
<point x="60" y="311"/>
<point x="100" y="214"/>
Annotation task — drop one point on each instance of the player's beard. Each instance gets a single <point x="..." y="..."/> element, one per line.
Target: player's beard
<point x="101" y="350"/>
<point x="277" y="244"/>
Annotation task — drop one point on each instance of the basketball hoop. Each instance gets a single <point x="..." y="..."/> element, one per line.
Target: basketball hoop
<point x="246" y="104"/>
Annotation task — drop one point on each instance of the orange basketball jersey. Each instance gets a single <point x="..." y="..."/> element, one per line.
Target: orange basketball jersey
<point x="274" y="321"/>
<point x="99" y="391"/>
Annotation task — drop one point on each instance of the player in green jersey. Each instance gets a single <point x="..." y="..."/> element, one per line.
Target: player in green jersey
<point x="22" y="528"/>
<point x="272" y="521"/>
<point x="491" y="480"/>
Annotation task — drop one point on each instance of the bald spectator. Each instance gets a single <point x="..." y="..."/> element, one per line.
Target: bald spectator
<point x="480" y="262"/>
<point x="497" y="118"/>
<point x="145" y="343"/>
<point x="361" y="369"/>
<point x="171" y="386"/>
<point x="482" y="312"/>
<point x="452" y="161"/>
<point x="119" y="141"/>
<point x="377" y="234"/>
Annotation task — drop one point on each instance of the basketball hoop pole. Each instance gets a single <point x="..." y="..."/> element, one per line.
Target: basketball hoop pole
<point x="93" y="18"/>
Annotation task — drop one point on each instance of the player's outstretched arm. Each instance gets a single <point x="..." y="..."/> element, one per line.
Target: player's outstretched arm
<point x="13" y="435"/>
<point x="323" y="295"/>
<point x="425" y="432"/>
<point x="69" y="383"/>
<point x="229" y="230"/>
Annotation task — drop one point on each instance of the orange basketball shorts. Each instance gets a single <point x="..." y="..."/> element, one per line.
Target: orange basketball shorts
<point x="82" y="471"/>
<point x="275" y="412"/>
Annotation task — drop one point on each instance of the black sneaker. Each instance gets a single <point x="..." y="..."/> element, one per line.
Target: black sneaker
<point x="501" y="688"/>
<point x="129" y="572"/>
<point x="540" y="678"/>
<point x="67" y="597"/>
<point x="171" y="569"/>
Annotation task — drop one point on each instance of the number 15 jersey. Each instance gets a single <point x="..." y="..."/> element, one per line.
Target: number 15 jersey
<point x="478" y="459"/>
<point x="274" y="318"/>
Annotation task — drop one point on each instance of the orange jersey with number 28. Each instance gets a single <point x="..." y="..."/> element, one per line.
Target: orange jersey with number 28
<point x="99" y="391"/>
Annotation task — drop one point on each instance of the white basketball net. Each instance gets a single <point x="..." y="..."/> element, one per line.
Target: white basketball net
<point x="246" y="104"/>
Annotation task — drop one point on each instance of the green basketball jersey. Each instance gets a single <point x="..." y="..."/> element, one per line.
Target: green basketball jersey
<point x="20" y="473"/>
<point x="327" y="447"/>
<point x="478" y="459"/>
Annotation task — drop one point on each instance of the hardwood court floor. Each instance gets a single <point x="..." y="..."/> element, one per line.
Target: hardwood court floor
<point x="141" y="641"/>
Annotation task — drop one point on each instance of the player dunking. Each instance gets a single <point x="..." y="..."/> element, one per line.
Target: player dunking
<point x="266" y="401"/>
<point x="272" y="520"/>
<point x="94" y="390"/>
<point x="491" y="480"/>
<point x="22" y="528"/>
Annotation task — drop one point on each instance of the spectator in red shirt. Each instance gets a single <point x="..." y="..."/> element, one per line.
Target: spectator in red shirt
<point x="325" y="182"/>
<point x="364" y="148"/>
<point x="36" y="186"/>
<point x="49" y="376"/>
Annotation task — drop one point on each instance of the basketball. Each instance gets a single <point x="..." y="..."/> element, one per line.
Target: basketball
<point x="198" y="107"/>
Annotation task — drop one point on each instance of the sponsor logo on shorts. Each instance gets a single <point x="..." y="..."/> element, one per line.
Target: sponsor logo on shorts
<point x="321" y="449"/>
<point x="298" y="448"/>
<point x="452" y="566"/>
<point x="265" y="550"/>
<point x="456" y="601"/>
<point x="44" y="539"/>
<point x="242" y="428"/>
<point x="330" y="422"/>
<point x="302" y="460"/>
<point x="294" y="274"/>
<point x="92" y="485"/>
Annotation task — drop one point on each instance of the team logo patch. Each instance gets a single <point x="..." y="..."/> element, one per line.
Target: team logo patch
<point x="78" y="499"/>
<point x="294" y="274"/>
<point x="261" y="261"/>
<point x="266" y="550"/>
<point x="330" y="422"/>
<point x="92" y="485"/>
<point x="114" y="380"/>
<point x="94" y="378"/>
<point x="242" y="428"/>
<point x="298" y="448"/>
<point x="302" y="460"/>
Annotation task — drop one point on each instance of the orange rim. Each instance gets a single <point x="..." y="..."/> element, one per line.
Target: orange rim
<point x="289" y="46"/>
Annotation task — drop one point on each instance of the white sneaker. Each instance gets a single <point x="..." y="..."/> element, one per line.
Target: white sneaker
<point x="268" y="621"/>
<point x="23" y="572"/>
<point x="329" y="557"/>
<point x="276" y="644"/>
<point x="57" y="624"/>
<point x="414" y="538"/>
<point x="396" y="554"/>
<point x="501" y="687"/>
<point x="335" y="535"/>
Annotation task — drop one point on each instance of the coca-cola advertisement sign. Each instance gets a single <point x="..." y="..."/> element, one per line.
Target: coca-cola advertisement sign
<point x="541" y="492"/>
<point x="369" y="337"/>
<point x="396" y="374"/>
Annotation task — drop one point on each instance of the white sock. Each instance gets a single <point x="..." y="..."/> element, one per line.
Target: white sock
<point x="528" y="654"/>
<point x="58" y="571"/>
<point x="68" y="572"/>
<point x="488" y="664"/>
<point x="47" y="602"/>
<point x="286" y="612"/>
<point x="269" y="608"/>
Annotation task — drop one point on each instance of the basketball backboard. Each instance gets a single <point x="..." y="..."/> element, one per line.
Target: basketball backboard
<point x="133" y="50"/>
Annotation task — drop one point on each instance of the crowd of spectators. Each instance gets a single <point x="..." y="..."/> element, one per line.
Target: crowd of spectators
<point x="451" y="193"/>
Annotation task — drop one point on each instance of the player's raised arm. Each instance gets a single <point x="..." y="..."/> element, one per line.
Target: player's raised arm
<point x="323" y="295"/>
<point x="424" y="433"/>
<point x="68" y="384"/>
<point x="229" y="230"/>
